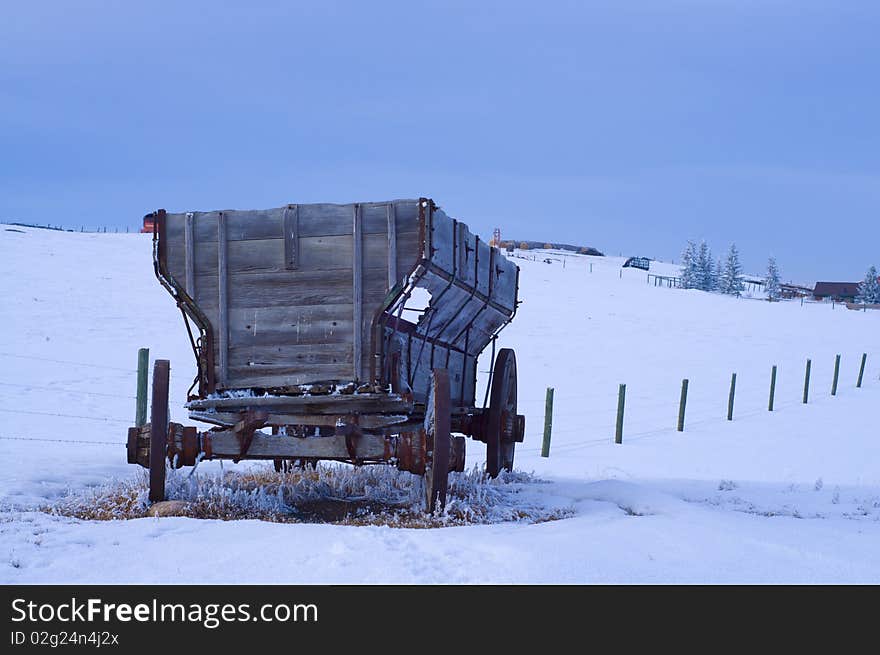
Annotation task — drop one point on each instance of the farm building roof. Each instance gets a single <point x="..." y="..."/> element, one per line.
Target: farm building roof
<point x="841" y="289"/>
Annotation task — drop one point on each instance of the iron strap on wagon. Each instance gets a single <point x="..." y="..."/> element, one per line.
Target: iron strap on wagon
<point x="352" y="331"/>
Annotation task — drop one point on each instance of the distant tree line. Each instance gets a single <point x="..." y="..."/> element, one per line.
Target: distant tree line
<point x="700" y="270"/>
<point x="529" y="245"/>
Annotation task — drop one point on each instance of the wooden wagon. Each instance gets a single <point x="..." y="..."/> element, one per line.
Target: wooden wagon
<point x="335" y="332"/>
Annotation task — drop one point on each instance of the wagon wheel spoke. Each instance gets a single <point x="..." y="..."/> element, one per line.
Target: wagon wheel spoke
<point x="159" y="429"/>
<point x="437" y="428"/>
<point x="501" y="422"/>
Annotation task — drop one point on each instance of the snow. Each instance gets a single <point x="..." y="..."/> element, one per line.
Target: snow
<point x="788" y="496"/>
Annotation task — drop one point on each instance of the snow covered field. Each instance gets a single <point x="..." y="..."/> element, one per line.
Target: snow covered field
<point x="788" y="496"/>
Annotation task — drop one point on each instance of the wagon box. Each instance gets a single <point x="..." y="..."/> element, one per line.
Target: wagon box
<point x="352" y="331"/>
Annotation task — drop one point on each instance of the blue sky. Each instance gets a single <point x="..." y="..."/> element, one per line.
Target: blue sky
<point x="629" y="126"/>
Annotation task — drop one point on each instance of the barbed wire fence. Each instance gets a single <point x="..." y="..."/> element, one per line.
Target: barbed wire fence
<point x="532" y="407"/>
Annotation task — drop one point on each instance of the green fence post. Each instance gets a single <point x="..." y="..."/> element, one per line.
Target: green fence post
<point x="730" y="397"/>
<point x="772" y="388"/>
<point x="621" y="400"/>
<point x="140" y="417"/>
<point x="548" y="422"/>
<point x="861" y="370"/>
<point x="836" y="372"/>
<point x="807" y="383"/>
<point x="682" y="403"/>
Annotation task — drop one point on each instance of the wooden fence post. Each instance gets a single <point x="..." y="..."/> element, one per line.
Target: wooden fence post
<point x="836" y="373"/>
<point x="682" y="403"/>
<point x="807" y="383"/>
<point x="730" y="397"/>
<point x="143" y="364"/>
<point x="548" y="422"/>
<point x="772" y="388"/>
<point x="861" y="370"/>
<point x="621" y="400"/>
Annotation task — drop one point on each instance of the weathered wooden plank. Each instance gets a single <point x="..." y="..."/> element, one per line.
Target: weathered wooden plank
<point x="291" y="237"/>
<point x="291" y="288"/>
<point x="490" y="321"/>
<point x="175" y="248"/>
<point x="189" y="245"/>
<point x="392" y="246"/>
<point x="291" y="325"/>
<point x="222" y="301"/>
<point x="225" y="443"/>
<point x="358" y="290"/>
<point x="466" y="254"/>
<point x="314" y="220"/>
<point x="329" y="220"/>
<point x="468" y="397"/>
<point x="366" y="421"/>
<point x="335" y="404"/>
<point x="407" y="255"/>
<point x="240" y="225"/>
<point x="504" y="284"/>
<point x="453" y="315"/>
<point x="316" y="253"/>
<point x="295" y="357"/>
<point x="442" y="239"/>
<point x="246" y="377"/>
<point x="486" y="258"/>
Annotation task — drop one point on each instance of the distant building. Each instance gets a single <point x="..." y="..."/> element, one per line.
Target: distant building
<point x="839" y="291"/>
<point x="794" y="291"/>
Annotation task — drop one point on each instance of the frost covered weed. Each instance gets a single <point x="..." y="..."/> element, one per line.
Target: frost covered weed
<point x="330" y="493"/>
<point x="119" y="499"/>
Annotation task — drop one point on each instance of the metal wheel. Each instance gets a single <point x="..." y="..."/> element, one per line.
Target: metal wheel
<point x="437" y="426"/>
<point x="159" y="429"/>
<point x="501" y="422"/>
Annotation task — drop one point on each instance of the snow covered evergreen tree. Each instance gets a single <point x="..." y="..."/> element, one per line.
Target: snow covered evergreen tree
<point x="716" y="274"/>
<point x="731" y="277"/>
<point x="689" y="278"/>
<point x="771" y="280"/>
<point x="869" y="288"/>
<point x="705" y="268"/>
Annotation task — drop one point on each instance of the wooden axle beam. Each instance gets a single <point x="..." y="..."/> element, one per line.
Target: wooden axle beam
<point x="323" y="404"/>
<point x="225" y="444"/>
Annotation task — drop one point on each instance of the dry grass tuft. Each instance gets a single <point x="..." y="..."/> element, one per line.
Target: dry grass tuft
<point x="331" y="493"/>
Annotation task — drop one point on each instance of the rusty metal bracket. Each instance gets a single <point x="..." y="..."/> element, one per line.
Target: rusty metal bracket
<point x="132" y="444"/>
<point x="205" y="444"/>
<point x="205" y="356"/>
<point x="348" y="427"/>
<point x="252" y="421"/>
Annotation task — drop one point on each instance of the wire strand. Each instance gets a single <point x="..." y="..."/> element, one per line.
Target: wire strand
<point x="64" y="361"/>
<point x="103" y="443"/>
<point x="89" y="418"/>
<point x="56" y="389"/>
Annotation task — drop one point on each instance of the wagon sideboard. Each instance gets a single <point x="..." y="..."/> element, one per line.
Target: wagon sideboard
<point x="309" y="294"/>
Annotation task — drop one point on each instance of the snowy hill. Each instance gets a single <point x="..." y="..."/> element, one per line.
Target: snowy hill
<point x="792" y="495"/>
